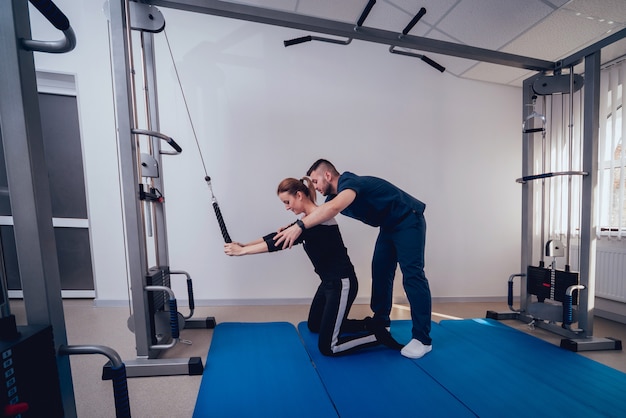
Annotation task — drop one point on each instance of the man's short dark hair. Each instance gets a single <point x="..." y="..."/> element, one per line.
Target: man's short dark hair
<point x="327" y="165"/>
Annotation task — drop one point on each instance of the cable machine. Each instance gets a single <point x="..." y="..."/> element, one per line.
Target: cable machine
<point x="36" y="375"/>
<point x="558" y="203"/>
<point x="154" y="318"/>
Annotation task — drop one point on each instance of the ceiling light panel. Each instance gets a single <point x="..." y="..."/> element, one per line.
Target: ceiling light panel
<point x="475" y="23"/>
<point x="554" y="37"/>
<point x="602" y="10"/>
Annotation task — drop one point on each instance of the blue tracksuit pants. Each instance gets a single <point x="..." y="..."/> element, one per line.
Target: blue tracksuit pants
<point x="403" y="245"/>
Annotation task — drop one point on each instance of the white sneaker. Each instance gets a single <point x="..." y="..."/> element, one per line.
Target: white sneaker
<point x="415" y="349"/>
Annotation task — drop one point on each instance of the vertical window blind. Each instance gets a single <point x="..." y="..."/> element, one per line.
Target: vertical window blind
<point x="612" y="155"/>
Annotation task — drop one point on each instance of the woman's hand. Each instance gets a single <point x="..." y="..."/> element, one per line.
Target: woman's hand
<point x="234" y="248"/>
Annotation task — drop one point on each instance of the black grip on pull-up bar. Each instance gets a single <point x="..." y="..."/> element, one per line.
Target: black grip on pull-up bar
<point x="414" y="21"/>
<point x="52" y="13"/>
<point x="298" y="40"/>
<point x="366" y="12"/>
<point x="433" y="63"/>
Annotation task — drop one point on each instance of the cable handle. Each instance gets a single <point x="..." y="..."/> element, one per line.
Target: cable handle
<point x="56" y="17"/>
<point x="218" y="213"/>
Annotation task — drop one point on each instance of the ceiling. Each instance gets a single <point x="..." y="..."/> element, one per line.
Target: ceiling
<point x="543" y="29"/>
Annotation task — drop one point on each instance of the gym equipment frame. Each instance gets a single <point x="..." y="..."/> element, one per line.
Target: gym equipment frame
<point x="37" y="375"/>
<point x="576" y="288"/>
<point x="120" y="34"/>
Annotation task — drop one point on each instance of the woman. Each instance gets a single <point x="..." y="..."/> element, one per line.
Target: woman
<point x="337" y="291"/>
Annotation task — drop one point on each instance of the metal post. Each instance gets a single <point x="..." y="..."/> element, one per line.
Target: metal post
<point x="591" y="121"/>
<point x="585" y="341"/>
<point x="528" y="155"/>
<point x="29" y="188"/>
<point x="133" y="222"/>
<point x="160" y="236"/>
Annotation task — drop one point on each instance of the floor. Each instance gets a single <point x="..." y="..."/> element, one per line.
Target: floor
<point x="175" y="396"/>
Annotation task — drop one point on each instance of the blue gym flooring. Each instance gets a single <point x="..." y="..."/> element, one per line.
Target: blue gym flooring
<point x="478" y="367"/>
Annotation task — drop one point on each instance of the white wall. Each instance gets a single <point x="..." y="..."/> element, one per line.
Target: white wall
<point x="263" y="112"/>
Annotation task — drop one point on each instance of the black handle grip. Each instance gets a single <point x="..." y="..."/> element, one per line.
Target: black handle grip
<point x="568" y="310"/>
<point x="433" y="64"/>
<point x="174" y="319"/>
<point x="366" y="12"/>
<point x="51" y="12"/>
<point x="414" y="21"/>
<point x="120" y="392"/>
<point x="192" y="304"/>
<point x="174" y="145"/>
<point x="510" y="294"/>
<point x="220" y="221"/>
<point x="298" y="40"/>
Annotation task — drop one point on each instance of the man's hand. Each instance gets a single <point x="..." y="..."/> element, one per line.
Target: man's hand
<point x="288" y="236"/>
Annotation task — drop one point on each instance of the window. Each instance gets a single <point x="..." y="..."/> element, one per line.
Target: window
<point x="63" y="152"/>
<point x="612" y="155"/>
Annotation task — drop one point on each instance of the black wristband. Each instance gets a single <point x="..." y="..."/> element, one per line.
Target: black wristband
<point x="300" y="224"/>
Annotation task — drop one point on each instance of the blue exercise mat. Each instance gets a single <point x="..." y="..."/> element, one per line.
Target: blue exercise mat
<point x="379" y="382"/>
<point x="484" y="382"/>
<point x="578" y="386"/>
<point x="477" y="368"/>
<point x="260" y="370"/>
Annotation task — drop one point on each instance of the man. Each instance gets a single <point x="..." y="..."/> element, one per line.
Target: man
<point x="401" y="240"/>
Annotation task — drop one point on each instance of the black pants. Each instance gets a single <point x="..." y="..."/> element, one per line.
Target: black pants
<point x="328" y="317"/>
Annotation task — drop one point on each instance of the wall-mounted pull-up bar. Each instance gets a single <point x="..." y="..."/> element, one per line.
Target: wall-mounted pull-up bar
<point x="359" y="23"/>
<point x="342" y="29"/>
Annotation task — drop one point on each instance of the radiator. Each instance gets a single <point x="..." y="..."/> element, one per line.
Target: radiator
<point x="610" y="269"/>
<point x="611" y="273"/>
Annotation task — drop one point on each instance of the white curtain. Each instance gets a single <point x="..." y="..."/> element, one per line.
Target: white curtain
<point x="612" y="155"/>
<point x="559" y="151"/>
